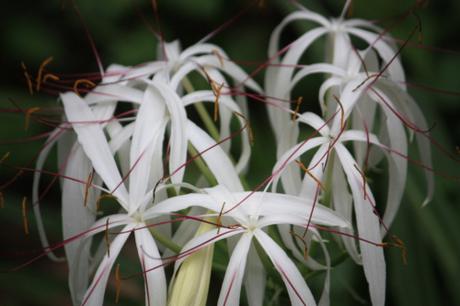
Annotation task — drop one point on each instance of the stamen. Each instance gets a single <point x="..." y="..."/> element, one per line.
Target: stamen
<point x="302" y="166"/>
<point x="249" y="127"/>
<point x="88" y="184"/>
<point x="219" y="57"/>
<point x="117" y="283"/>
<point x="38" y="79"/>
<point x="28" y="79"/>
<point x="219" y="218"/>
<point x="302" y="239"/>
<point x="51" y="76"/>
<point x="25" y="221"/>
<point x="87" y="83"/>
<point x="28" y="113"/>
<point x="363" y="176"/>
<point x="398" y="243"/>
<point x="342" y="113"/>
<point x="295" y="115"/>
<point x="217" y="91"/>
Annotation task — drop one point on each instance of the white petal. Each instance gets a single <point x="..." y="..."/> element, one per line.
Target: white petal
<point x="78" y="216"/>
<point x="384" y="50"/>
<point x="94" y="143"/>
<point x="114" y="92"/>
<point x="368" y="228"/>
<point x="255" y="280"/>
<point x="231" y="286"/>
<point x="230" y="68"/>
<point x="342" y="203"/>
<point x="217" y="161"/>
<point x="299" y="293"/>
<point x="155" y="280"/>
<point x="95" y="294"/>
<point x="292" y="155"/>
<point x="150" y="121"/>
<point x="50" y="142"/>
<point x="178" y="140"/>
<point x="182" y="202"/>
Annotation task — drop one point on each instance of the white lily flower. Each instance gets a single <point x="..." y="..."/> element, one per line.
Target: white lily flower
<point x="330" y="147"/>
<point x="247" y="214"/>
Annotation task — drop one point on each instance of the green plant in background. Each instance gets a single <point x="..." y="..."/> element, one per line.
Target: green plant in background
<point x="122" y="161"/>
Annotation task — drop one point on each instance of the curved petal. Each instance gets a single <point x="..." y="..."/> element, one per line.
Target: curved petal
<point x="231" y="286"/>
<point x="78" y="214"/>
<point x="216" y="159"/>
<point x="152" y="267"/>
<point x="299" y="293"/>
<point x="150" y="121"/>
<point x="368" y="228"/>
<point x="95" y="294"/>
<point x="94" y="143"/>
<point x="50" y="142"/>
<point x="178" y="139"/>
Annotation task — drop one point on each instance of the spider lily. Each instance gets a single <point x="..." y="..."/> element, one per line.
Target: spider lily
<point x="279" y="76"/>
<point x="331" y="152"/>
<point x="144" y="163"/>
<point x="247" y="214"/>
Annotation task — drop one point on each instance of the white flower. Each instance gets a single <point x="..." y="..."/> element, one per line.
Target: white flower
<point x="247" y="214"/>
<point x="331" y="150"/>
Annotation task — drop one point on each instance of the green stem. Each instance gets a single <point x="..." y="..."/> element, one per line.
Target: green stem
<point x="165" y="241"/>
<point x="202" y="166"/>
<point x="202" y="112"/>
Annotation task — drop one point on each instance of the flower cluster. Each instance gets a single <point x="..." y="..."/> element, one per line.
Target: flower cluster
<point x="133" y="138"/>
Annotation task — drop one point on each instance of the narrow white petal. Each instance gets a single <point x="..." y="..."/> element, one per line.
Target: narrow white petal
<point x="78" y="216"/>
<point x="50" y="142"/>
<point x="94" y="143"/>
<point x="150" y="120"/>
<point x="95" y="294"/>
<point x="231" y="286"/>
<point x="299" y="293"/>
<point x="368" y="228"/>
<point x="216" y="159"/>
<point x="255" y="280"/>
<point x="178" y="139"/>
<point x="151" y="262"/>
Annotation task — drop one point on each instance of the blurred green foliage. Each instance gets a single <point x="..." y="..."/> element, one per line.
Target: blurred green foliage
<point x="31" y="31"/>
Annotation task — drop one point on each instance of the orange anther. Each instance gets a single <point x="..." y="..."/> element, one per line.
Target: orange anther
<point x="302" y="166"/>
<point x="219" y="218"/>
<point x="87" y="83"/>
<point x="297" y="108"/>
<point x="219" y="57"/>
<point x="25" y="221"/>
<point x="363" y="176"/>
<point x="249" y="127"/>
<point x="40" y="72"/>
<point x="28" y="113"/>
<point x="342" y="113"/>
<point x="302" y="239"/>
<point x="88" y="184"/>
<point x="28" y="79"/>
<point x="216" y="89"/>
<point x="50" y="76"/>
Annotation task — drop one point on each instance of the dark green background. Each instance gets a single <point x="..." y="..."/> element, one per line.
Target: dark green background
<point x="31" y="31"/>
